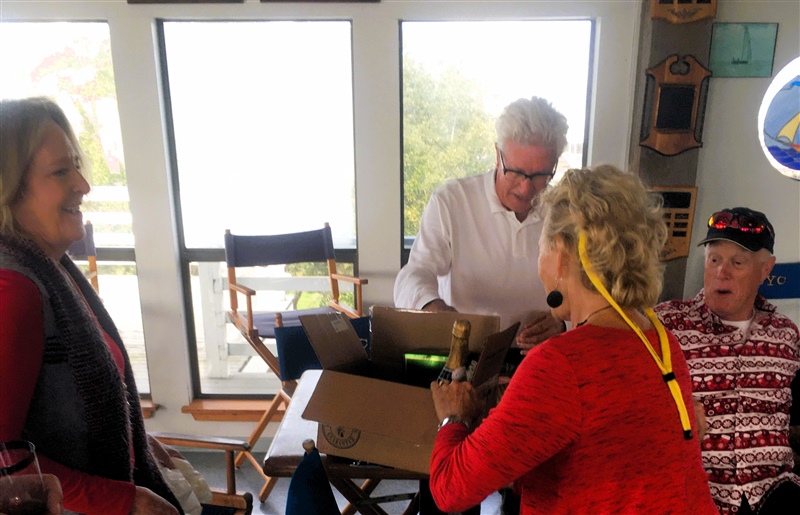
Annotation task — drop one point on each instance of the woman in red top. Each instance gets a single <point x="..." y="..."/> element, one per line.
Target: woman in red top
<point x="65" y="380"/>
<point x="594" y="420"/>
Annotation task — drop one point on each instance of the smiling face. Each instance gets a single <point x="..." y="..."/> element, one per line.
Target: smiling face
<point x="515" y="194"/>
<point x="731" y="278"/>
<point x="49" y="209"/>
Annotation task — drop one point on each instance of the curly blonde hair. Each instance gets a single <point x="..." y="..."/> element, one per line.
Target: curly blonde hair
<point x="624" y="227"/>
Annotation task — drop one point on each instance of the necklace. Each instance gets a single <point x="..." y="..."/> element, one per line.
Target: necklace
<point x="593" y="313"/>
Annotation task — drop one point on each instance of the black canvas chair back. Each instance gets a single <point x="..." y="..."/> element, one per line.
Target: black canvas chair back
<point x="83" y="248"/>
<point x="278" y="249"/>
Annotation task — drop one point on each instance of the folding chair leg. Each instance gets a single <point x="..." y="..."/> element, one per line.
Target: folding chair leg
<point x="269" y="482"/>
<point x="277" y="401"/>
<point x="368" y="486"/>
<point x="267" y="488"/>
<point x="413" y="506"/>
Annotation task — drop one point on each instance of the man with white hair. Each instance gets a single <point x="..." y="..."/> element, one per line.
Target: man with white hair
<point x="742" y="356"/>
<point x="478" y="241"/>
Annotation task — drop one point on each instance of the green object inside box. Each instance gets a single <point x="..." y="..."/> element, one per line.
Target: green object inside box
<point x="423" y="367"/>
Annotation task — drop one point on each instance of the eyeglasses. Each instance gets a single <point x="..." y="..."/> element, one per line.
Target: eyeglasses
<point x="518" y="176"/>
<point x="745" y="223"/>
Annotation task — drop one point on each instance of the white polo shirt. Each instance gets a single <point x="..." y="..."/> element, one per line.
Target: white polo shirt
<point x="474" y="254"/>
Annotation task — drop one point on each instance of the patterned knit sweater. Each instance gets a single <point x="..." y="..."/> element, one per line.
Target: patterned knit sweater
<point x="83" y="413"/>
<point x="587" y="425"/>
<point x="743" y="381"/>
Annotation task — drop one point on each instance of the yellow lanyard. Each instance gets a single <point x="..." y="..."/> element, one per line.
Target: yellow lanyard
<point x="664" y="366"/>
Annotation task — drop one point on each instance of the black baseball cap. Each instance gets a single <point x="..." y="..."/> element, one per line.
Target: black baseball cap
<point x="747" y="228"/>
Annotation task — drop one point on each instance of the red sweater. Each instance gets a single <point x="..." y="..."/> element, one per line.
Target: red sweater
<point x="21" y="350"/>
<point x="587" y="425"/>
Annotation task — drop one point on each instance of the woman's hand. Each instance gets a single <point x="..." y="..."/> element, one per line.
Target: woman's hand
<point x="54" y="496"/>
<point x="148" y="503"/>
<point x="456" y="399"/>
<point x="30" y="483"/>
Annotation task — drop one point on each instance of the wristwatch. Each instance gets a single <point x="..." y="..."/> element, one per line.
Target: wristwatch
<point x="452" y="419"/>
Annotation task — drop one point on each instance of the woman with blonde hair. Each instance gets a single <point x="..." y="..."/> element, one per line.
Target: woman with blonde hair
<point x="66" y="382"/>
<point x="594" y="420"/>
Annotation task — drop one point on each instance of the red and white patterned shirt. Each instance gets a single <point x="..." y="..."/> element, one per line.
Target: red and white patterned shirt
<point x="743" y="379"/>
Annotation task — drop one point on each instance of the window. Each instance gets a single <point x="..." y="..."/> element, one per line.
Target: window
<point x="262" y="118"/>
<point x="71" y="63"/>
<point x="458" y="76"/>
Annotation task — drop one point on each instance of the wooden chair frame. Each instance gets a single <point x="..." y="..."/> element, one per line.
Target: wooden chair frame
<point x="246" y="326"/>
<point x="241" y="502"/>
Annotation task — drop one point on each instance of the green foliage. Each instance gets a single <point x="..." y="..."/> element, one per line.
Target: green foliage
<point x="71" y="67"/>
<point x="446" y="134"/>
<point x="310" y="299"/>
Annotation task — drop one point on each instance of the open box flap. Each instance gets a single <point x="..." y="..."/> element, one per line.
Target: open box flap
<point x="398" y="331"/>
<point x="490" y="363"/>
<point x="335" y="341"/>
<point x="389" y="409"/>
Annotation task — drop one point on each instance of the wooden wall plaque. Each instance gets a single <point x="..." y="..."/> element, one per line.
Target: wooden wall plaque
<point x="683" y="11"/>
<point x="679" y="203"/>
<point x="675" y="99"/>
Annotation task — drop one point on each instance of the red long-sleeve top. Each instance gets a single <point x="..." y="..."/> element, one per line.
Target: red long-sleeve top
<point x="587" y="425"/>
<point x="21" y="350"/>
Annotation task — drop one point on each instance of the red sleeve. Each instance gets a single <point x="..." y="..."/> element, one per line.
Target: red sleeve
<point x="522" y="432"/>
<point x="21" y="348"/>
<point x="84" y="493"/>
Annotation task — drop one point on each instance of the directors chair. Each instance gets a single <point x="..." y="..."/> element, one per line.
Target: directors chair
<point x="228" y="500"/>
<point x="256" y="326"/>
<point x="84" y="250"/>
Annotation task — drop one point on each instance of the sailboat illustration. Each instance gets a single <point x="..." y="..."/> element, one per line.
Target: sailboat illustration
<point x="781" y="132"/>
<point x="790" y="133"/>
<point x="746" y="52"/>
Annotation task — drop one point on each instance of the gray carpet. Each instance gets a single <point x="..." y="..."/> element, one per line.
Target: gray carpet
<point x="212" y="466"/>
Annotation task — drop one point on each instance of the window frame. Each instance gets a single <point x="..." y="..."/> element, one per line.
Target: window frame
<point x="187" y="255"/>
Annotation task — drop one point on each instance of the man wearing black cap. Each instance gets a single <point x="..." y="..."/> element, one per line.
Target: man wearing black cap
<point x="742" y="356"/>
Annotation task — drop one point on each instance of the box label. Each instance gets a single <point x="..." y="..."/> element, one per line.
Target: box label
<point x="340" y="437"/>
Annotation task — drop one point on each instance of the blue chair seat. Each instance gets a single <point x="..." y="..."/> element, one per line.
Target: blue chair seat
<point x="265" y="322"/>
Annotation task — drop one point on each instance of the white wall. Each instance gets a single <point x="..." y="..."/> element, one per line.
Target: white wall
<point x="732" y="169"/>
<point x="377" y="135"/>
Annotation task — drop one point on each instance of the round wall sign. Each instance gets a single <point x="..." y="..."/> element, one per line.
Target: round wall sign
<point x="779" y="121"/>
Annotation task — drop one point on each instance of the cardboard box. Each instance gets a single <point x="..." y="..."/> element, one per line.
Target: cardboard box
<point x="364" y="411"/>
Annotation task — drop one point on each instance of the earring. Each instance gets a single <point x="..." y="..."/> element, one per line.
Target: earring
<point x="555" y="298"/>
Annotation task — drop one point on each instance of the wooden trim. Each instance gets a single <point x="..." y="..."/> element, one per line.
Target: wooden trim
<point x="185" y="1"/>
<point x="148" y="407"/>
<point x="230" y="410"/>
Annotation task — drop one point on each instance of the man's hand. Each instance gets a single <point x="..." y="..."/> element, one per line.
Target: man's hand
<point x="456" y="399"/>
<point x="541" y="327"/>
<point x="437" y="305"/>
<point x="700" y="416"/>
